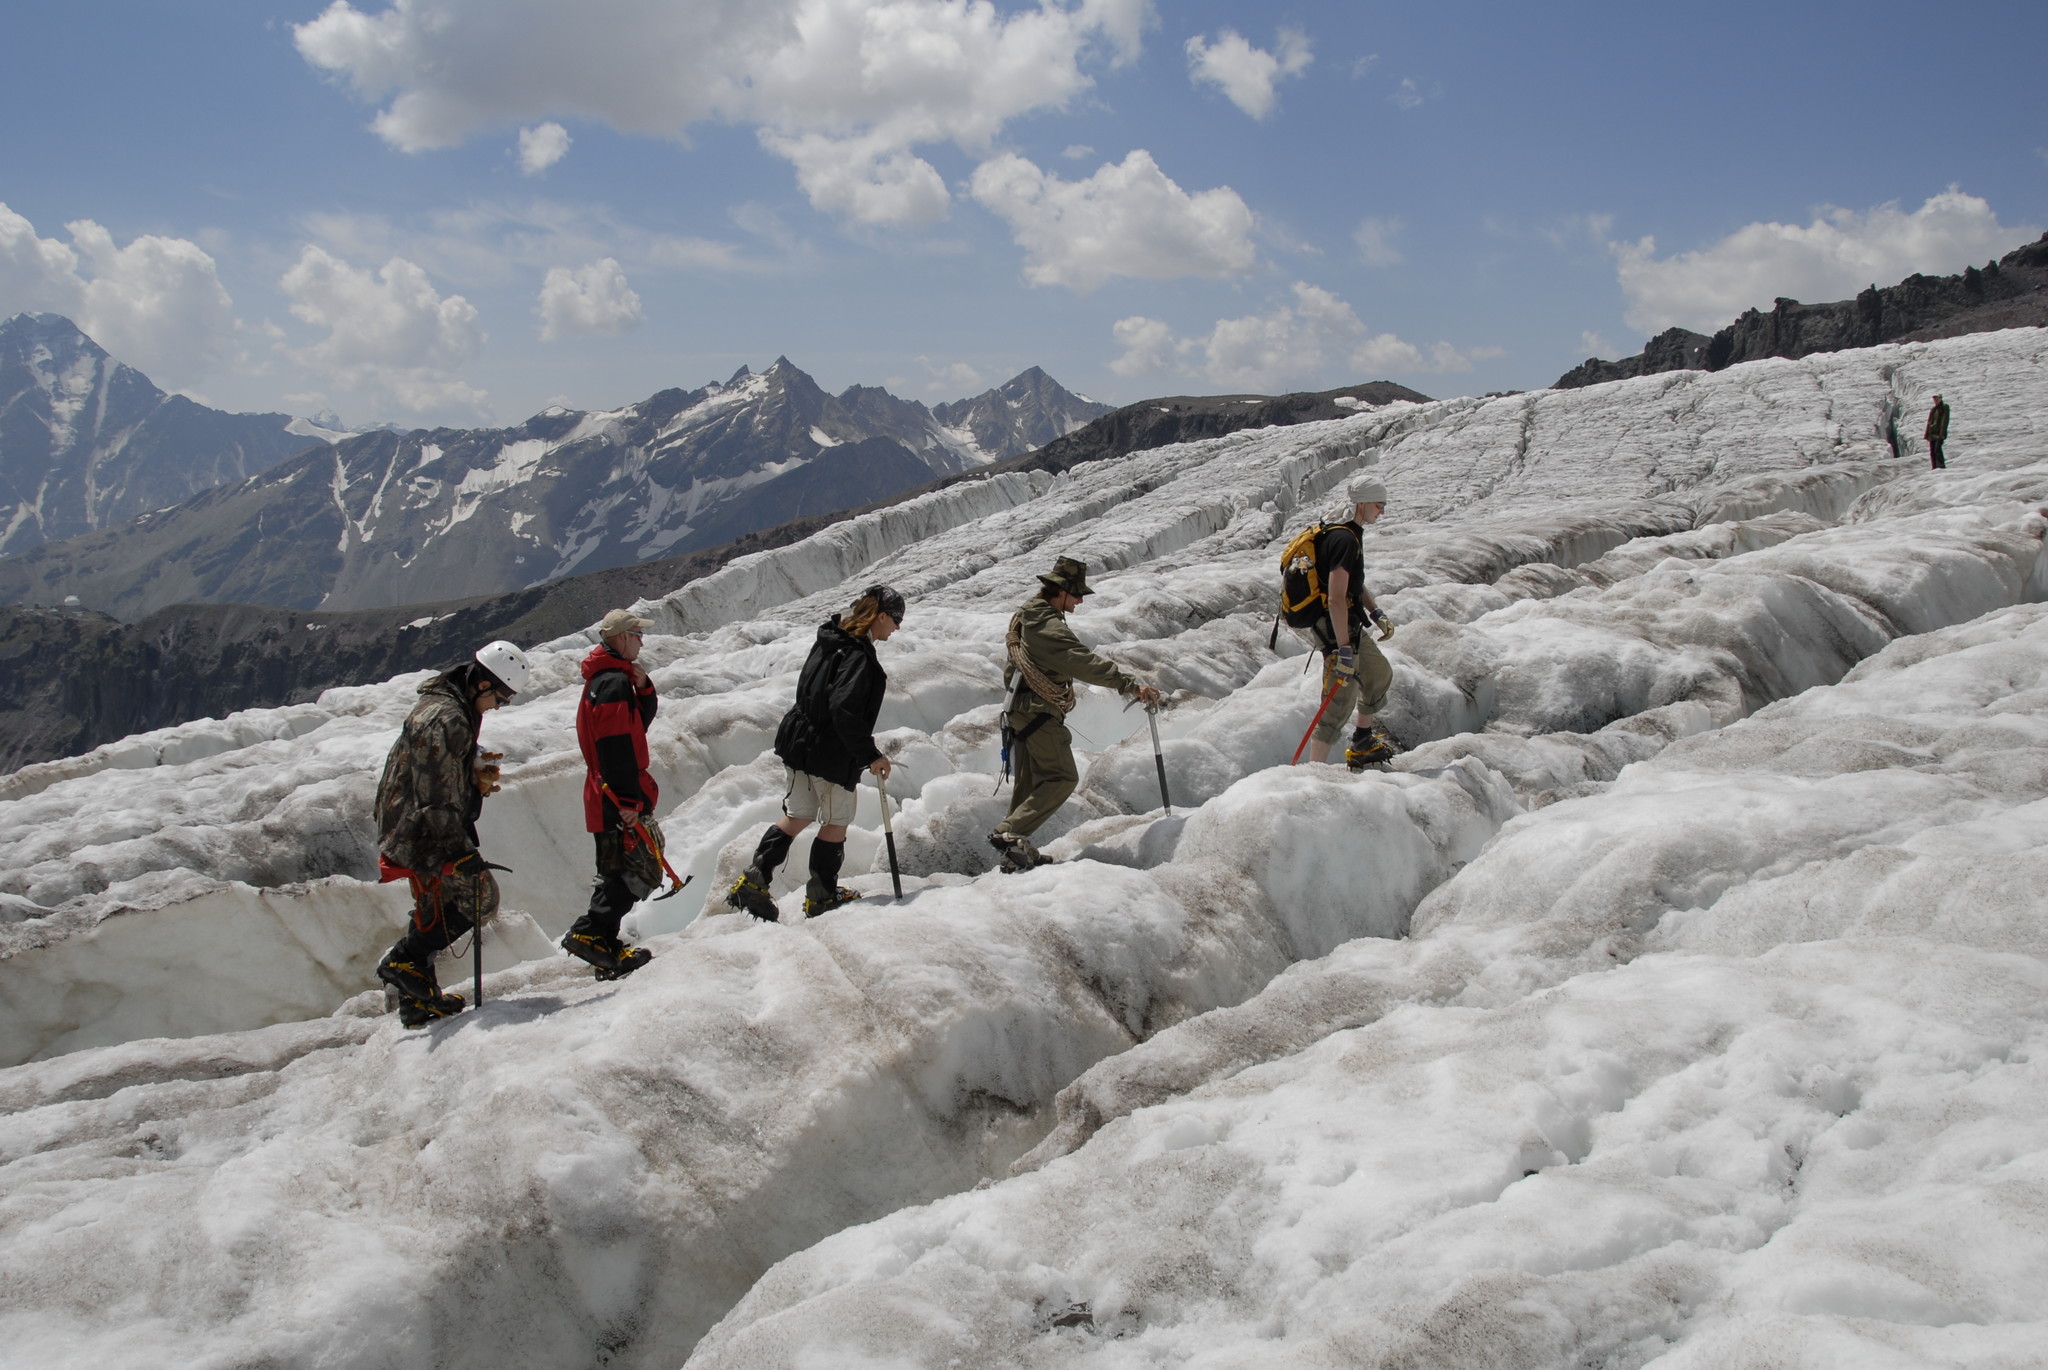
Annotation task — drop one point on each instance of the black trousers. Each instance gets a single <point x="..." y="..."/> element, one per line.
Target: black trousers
<point x="611" y="896"/>
<point x="1934" y="457"/>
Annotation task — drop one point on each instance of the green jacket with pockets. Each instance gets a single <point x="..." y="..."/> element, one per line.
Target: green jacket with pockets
<point x="1054" y="649"/>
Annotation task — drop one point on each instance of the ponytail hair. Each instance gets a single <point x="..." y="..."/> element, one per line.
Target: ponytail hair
<point x="860" y="615"/>
<point x="859" y="618"/>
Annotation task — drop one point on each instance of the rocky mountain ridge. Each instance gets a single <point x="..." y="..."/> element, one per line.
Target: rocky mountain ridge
<point x="2011" y="292"/>
<point x="88" y="442"/>
<point x="188" y="661"/>
<point x="386" y="518"/>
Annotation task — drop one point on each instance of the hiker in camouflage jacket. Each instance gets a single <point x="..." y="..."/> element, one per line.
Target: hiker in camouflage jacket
<point x="428" y="801"/>
<point x="1041" y="748"/>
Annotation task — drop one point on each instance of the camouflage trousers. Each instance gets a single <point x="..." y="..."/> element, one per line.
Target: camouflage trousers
<point x="443" y="908"/>
<point x="627" y="872"/>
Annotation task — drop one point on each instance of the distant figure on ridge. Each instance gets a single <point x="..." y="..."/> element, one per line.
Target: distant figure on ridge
<point x="428" y="799"/>
<point x="1937" y="433"/>
<point x="825" y="741"/>
<point x="1325" y="599"/>
<point x="1044" y="659"/>
<point x="619" y="794"/>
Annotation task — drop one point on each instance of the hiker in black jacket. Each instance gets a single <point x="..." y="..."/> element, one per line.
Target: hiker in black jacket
<point x="826" y="740"/>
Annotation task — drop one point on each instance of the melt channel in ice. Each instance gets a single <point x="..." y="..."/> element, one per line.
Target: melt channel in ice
<point x="1673" y="998"/>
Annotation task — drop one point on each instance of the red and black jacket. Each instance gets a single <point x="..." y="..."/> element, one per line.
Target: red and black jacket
<point x="611" y="727"/>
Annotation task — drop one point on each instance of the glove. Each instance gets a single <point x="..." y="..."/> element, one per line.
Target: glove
<point x="1344" y="665"/>
<point x="488" y="772"/>
<point x="1383" y="623"/>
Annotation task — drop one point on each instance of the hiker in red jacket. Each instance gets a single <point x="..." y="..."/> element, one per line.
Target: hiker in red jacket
<point x="619" y="793"/>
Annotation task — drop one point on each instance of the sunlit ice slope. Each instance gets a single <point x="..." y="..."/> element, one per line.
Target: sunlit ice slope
<point x="1585" y="580"/>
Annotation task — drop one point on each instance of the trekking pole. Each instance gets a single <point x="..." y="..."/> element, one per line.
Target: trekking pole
<point x="1158" y="756"/>
<point x="476" y="954"/>
<point x="889" y="835"/>
<point x="1335" y="685"/>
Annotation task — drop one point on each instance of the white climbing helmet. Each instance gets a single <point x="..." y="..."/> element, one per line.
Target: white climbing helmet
<point x="507" y="665"/>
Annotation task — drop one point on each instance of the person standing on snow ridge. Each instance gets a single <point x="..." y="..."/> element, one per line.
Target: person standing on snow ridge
<point x="1044" y="659"/>
<point x="825" y="741"/>
<point x="619" y="793"/>
<point x="1351" y="660"/>
<point x="1937" y="434"/>
<point x="428" y="800"/>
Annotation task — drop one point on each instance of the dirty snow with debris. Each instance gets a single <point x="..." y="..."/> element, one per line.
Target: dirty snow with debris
<point x="1678" y="999"/>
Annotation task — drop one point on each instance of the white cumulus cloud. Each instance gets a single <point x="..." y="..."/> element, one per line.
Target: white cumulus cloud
<point x="1838" y="254"/>
<point x="1127" y="219"/>
<point x="845" y="88"/>
<point x="1375" y="239"/>
<point x="593" y="300"/>
<point x="1245" y="74"/>
<point x="157" y="303"/>
<point x="1313" y="339"/>
<point x="1148" y="346"/>
<point x="390" y="334"/>
<point x="541" y="146"/>
<point x="952" y="376"/>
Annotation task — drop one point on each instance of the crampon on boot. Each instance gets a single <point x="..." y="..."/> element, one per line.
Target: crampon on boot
<point x="614" y="959"/>
<point x="1373" y="746"/>
<point x="410" y="979"/>
<point x="817" y="900"/>
<point x="416" y="1012"/>
<point x="750" y="892"/>
<point x="1018" y="853"/>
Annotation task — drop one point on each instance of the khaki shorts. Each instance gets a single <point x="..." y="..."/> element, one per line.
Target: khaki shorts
<point x="811" y="798"/>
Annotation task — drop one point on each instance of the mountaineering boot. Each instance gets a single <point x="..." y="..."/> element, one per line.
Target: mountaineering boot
<point x="630" y="960"/>
<point x="415" y="1011"/>
<point x="820" y="897"/>
<point x="750" y="892"/>
<point x="1373" y="746"/>
<point x="411" y="979"/>
<point x="614" y="959"/>
<point x="1018" y="853"/>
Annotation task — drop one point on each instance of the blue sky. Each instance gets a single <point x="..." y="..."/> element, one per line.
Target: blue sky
<point x="309" y="207"/>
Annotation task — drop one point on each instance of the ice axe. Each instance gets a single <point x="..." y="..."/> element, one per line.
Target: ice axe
<point x="1335" y="685"/>
<point x="676" y="882"/>
<point x="1158" y="756"/>
<point x="476" y="941"/>
<point x="889" y="834"/>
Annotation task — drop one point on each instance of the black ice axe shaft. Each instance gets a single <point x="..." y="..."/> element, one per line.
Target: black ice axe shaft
<point x="889" y="836"/>
<point x="1158" y="756"/>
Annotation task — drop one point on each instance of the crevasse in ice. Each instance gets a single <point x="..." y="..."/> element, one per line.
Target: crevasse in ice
<point x="1678" y="999"/>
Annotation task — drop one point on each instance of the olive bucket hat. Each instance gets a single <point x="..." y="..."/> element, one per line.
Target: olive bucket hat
<point x="1069" y="575"/>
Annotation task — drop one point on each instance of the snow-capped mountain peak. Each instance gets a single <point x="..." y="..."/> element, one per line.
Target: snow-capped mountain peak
<point x="87" y="441"/>
<point x="392" y="518"/>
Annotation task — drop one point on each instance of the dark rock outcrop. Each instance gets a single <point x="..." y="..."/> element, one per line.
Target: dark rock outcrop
<point x="1188" y="418"/>
<point x="2011" y="292"/>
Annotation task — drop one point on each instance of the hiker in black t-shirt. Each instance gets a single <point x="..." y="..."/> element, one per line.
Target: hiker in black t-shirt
<point x="1351" y="659"/>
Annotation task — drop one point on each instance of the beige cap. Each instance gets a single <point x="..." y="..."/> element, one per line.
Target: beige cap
<point x="622" y="621"/>
<point x="1368" y="490"/>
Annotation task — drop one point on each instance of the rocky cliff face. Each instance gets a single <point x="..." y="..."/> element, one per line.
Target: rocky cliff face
<point x="395" y="518"/>
<point x="2011" y="292"/>
<point x="1186" y="418"/>
<point x="87" y="442"/>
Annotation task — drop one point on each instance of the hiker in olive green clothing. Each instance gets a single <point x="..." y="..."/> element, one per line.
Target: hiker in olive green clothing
<point x="1937" y="434"/>
<point x="1044" y="659"/>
